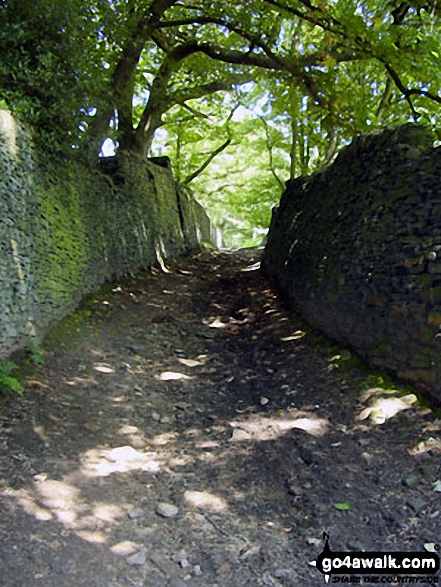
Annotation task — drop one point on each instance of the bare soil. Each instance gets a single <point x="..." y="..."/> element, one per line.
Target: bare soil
<point x="184" y="432"/>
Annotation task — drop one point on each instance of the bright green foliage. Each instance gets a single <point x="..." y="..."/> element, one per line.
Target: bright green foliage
<point x="316" y="72"/>
<point x="9" y="385"/>
<point x="34" y="354"/>
<point x="244" y="181"/>
<point x="46" y="75"/>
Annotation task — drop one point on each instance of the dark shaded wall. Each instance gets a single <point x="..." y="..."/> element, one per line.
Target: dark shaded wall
<point x="65" y="229"/>
<point x="356" y="250"/>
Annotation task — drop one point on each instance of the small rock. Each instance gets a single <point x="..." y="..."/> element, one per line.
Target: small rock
<point x="264" y="401"/>
<point x="167" y="510"/>
<point x="176" y="556"/>
<point x="155" y="416"/>
<point x="165" y="420"/>
<point x="252" y="551"/>
<point x="294" y="489"/>
<point x="286" y="575"/>
<point x="197" y="571"/>
<point x="180" y="557"/>
<point x="138" y="559"/>
<point x="240" y="436"/>
<point x="182" y="405"/>
<point x="135" y="513"/>
<point x="356" y="545"/>
<point x="147" y="532"/>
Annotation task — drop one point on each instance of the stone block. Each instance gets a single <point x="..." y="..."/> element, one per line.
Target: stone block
<point x="66" y="228"/>
<point x="375" y="214"/>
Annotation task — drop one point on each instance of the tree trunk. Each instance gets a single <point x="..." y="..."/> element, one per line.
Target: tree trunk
<point x="158" y="103"/>
<point x="121" y="84"/>
<point x="293" y="148"/>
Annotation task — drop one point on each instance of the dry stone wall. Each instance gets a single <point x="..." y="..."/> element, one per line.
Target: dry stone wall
<point x="356" y="249"/>
<point x="65" y="229"/>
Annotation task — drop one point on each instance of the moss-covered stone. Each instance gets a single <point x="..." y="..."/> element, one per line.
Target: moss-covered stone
<point x="65" y="229"/>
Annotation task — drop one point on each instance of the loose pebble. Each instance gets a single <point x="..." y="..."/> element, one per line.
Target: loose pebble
<point x="197" y="571"/>
<point x="167" y="510"/>
<point x="180" y="557"/>
<point x="135" y="513"/>
<point x="240" y="435"/>
<point x="286" y="575"/>
<point x="138" y="559"/>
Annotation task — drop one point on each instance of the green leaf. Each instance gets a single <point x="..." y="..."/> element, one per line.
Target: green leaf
<point x="342" y="506"/>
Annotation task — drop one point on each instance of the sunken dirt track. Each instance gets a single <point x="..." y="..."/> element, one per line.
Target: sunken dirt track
<point x="183" y="432"/>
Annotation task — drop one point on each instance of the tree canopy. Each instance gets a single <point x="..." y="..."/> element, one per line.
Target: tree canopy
<point x="263" y="90"/>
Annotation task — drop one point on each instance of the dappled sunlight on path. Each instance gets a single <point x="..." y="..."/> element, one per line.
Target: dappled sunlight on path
<point x="192" y="433"/>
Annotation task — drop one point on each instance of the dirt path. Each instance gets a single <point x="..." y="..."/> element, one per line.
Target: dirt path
<point x="187" y="434"/>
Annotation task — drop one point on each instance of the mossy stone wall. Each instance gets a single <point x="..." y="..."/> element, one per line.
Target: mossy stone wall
<point x="65" y="229"/>
<point x="356" y="249"/>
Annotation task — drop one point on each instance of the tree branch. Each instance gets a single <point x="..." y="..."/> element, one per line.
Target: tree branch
<point x="196" y="92"/>
<point x="159" y="7"/>
<point x="322" y="23"/>
<point x="196" y="113"/>
<point x="191" y="177"/>
<point x="253" y="39"/>
<point x="235" y="57"/>
<point x="270" y="146"/>
<point x="332" y="147"/>
<point x="385" y="99"/>
<point x="408" y="92"/>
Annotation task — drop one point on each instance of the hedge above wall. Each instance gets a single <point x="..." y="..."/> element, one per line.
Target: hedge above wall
<point x="356" y="249"/>
<point x="65" y="229"/>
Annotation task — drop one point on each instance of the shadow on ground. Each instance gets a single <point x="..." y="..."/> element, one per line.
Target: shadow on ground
<point x="187" y="432"/>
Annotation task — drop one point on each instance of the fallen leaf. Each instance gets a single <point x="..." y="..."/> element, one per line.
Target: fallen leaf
<point x="425" y="445"/>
